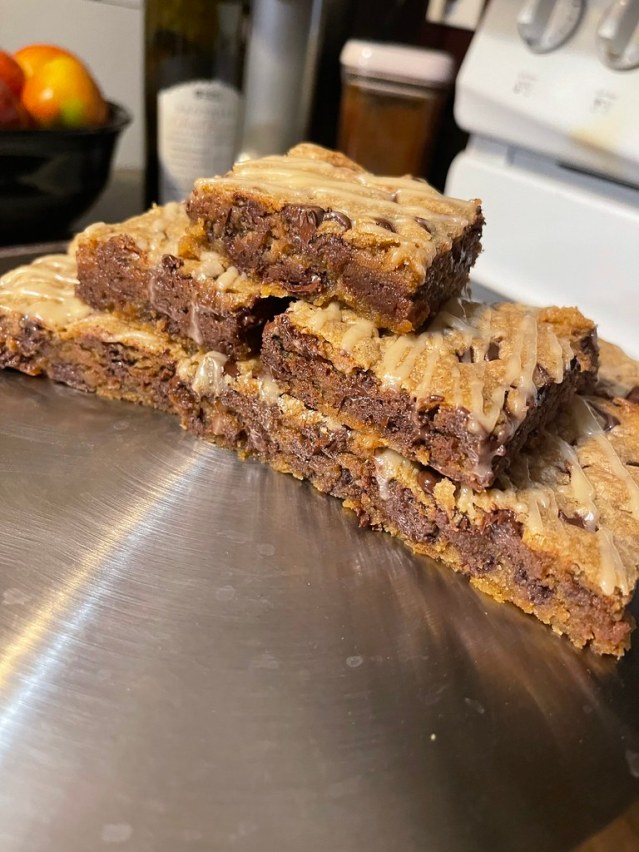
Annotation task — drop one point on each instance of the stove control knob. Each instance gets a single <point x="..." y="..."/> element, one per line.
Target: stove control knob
<point x="546" y="24"/>
<point x="618" y="35"/>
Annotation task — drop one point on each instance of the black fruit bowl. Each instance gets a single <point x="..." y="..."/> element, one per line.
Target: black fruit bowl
<point x="48" y="178"/>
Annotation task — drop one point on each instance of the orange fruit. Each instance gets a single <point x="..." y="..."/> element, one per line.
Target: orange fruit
<point x="62" y="93"/>
<point x="11" y="73"/>
<point x="32" y="57"/>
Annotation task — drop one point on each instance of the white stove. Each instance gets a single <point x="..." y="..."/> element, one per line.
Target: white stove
<point x="549" y="91"/>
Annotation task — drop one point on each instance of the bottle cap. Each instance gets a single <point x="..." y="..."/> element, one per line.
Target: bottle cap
<point x="398" y="63"/>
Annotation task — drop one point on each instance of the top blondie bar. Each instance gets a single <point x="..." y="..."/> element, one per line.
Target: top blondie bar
<point x="392" y="248"/>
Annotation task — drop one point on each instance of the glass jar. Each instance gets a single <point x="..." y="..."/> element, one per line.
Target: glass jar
<point x="391" y="107"/>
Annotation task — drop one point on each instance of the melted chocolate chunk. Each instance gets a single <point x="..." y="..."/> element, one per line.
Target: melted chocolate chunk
<point x="427" y="479"/>
<point x="427" y="412"/>
<point x="574" y="520"/>
<point x="492" y="353"/>
<point x="339" y="217"/>
<point x="633" y="394"/>
<point x="423" y="223"/>
<point x="306" y="218"/>
<point x="384" y="223"/>
<point x="230" y="368"/>
<point x="501" y="518"/>
<point x="609" y="421"/>
<point x="488" y="564"/>
<point x="308" y="285"/>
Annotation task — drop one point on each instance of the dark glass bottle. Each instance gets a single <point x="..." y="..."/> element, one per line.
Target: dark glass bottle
<point x="194" y="56"/>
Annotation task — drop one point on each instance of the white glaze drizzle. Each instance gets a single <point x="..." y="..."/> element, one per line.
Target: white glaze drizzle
<point x="399" y="358"/>
<point x="390" y="465"/>
<point x="269" y="390"/>
<point x="321" y="316"/>
<point x="156" y="232"/>
<point x="361" y="329"/>
<point x="582" y="489"/>
<point x="534" y="497"/>
<point x="44" y="290"/>
<point x="360" y="196"/>
<point x="209" y="265"/>
<point x="195" y="332"/>
<point x="423" y="364"/>
<point x="209" y="376"/>
<point x="114" y="331"/>
<point x="227" y="279"/>
<point x="588" y="425"/>
<point x="612" y="573"/>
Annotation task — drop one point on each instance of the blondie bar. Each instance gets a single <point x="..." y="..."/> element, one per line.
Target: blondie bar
<point x="462" y="396"/>
<point x="136" y="269"/>
<point x="317" y="224"/>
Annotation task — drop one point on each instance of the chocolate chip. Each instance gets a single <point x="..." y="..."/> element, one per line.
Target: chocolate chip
<point x="574" y="520"/>
<point x="384" y="223"/>
<point x="339" y="217"/>
<point x="484" y="566"/>
<point x="609" y="421"/>
<point x="230" y="368"/>
<point x="492" y="353"/>
<point x="305" y="218"/>
<point x="427" y="479"/>
<point x="308" y="285"/>
<point x="633" y="395"/>
<point x="467" y="356"/>
<point x="171" y="263"/>
<point x="500" y="519"/>
<point x="632" y="463"/>
<point x="393" y="197"/>
<point x="427" y="412"/>
<point x="423" y="223"/>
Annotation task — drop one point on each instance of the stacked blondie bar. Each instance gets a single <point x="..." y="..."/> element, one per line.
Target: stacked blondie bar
<point x="310" y="314"/>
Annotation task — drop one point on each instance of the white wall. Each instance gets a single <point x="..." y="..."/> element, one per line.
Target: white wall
<point x="106" y="34"/>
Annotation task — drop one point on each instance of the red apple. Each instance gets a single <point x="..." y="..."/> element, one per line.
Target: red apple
<point x="11" y="73"/>
<point x="13" y="116"/>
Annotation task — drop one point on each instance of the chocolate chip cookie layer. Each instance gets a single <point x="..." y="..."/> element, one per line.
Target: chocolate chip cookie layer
<point x="138" y="270"/>
<point x="462" y="396"/>
<point x="315" y="222"/>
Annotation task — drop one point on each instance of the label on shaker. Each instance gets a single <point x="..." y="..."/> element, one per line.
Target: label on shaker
<point x="197" y="134"/>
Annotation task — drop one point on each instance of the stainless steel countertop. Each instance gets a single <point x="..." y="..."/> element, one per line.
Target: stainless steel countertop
<point x="201" y="654"/>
